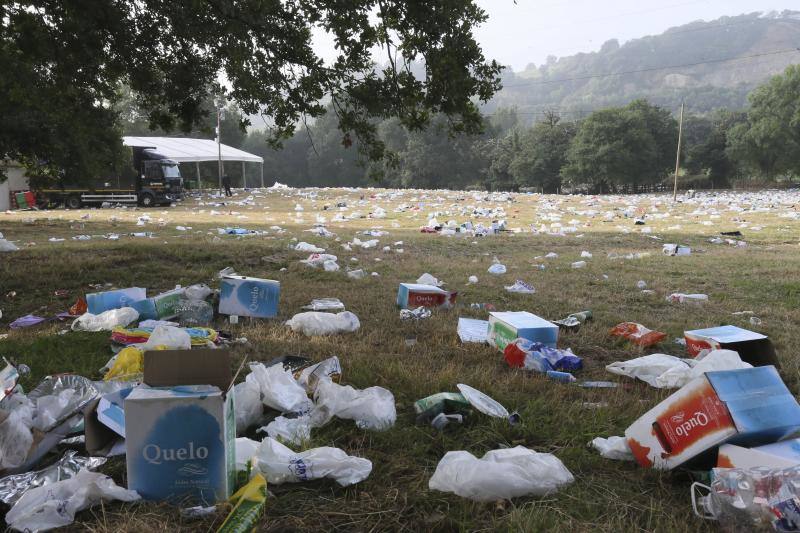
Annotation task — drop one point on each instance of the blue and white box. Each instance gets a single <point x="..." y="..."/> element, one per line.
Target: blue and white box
<point x="507" y="326"/>
<point x="180" y="428"/>
<point x="98" y="302"/>
<point x="246" y="296"/>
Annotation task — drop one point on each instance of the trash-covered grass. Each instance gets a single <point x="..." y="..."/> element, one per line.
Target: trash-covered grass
<point x="556" y="418"/>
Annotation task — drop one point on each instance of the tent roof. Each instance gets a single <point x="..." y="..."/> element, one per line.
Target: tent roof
<point x="184" y="149"/>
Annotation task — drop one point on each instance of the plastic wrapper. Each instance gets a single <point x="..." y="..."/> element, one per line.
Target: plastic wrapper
<point x="497" y="269"/>
<point x="313" y="323"/>
<point x="14" y="486"/>
<point x="329" y="368"/>
<point x="16" y="438"/>
<point x="7" y="246"/>
<point x="756" y="499"/>
<point x="9" y="376"/>
<point x="199" y="291"/>
<point x="482" y="402"/>
<point x="325" y="304"/>
<point x="279" y="464"/>
<point x="245" y="453"/>
<point x="105" y="321"/>
<point x="278" y="388"/>
<point x="638" y="334"/>
<point x="54" y="505"/>
<point x="292" y="430"/>
<point x="169" y="336"/>
<point x="371" y="408"/>
<point x="500" y="474"/>
<point x="613" y="448"/>
<point x="666" y="371"/>
<point x="194" y="312"/>
<point x="420" y="313"/>
<point x="200" y="336"/>
<point x="249" y="409"/>
<point x="520" y="287"/>
<point x="248" y="504"/>
<point x="317" y="260"/>
<point x="523" y="353"/>
<point x="57" y="398"/>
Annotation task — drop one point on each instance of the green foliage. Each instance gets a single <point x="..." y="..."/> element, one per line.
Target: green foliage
<point x="626" y="146"/>
<point x="68" y="60"/>
<point x="706" y="142"/>
<point x="542" y="153"/>
<point x="769" y="142"/>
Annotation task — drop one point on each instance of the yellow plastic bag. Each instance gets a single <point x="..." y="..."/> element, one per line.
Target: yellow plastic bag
<point x="129" y="364"/>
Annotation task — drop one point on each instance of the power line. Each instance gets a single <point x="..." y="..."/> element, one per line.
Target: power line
<point x="651" y="69"/>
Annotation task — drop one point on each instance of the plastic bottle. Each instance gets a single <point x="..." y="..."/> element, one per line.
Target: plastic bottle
<point x="194" y="312"/>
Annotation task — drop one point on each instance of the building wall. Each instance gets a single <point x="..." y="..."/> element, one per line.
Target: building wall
<point x="16" y="181"/>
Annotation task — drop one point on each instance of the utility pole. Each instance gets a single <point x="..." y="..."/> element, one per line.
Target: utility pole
<point x="678" y="157"/>
<point x="220" y="169"/>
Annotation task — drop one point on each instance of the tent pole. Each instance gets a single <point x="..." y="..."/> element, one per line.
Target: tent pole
<point x="197" y="167"/>
<point x="262" y="174"/>
<point x="244" y="176"/>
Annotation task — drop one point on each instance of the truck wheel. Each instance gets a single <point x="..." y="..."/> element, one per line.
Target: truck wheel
<point x="146" y="200"/>
<point x="74" y="201"/>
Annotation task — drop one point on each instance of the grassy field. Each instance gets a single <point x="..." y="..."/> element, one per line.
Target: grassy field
<point x="560" y="419"/>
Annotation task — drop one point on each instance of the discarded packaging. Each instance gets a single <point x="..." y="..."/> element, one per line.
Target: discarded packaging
<point x="370" y="408"/>
<point x="667" y="371"/>
<point x="314" y="323"/>
<point x="638" y="334"/>
<point x="99" y="302"/>
<point x="520" y="287"/>
<point x="413" y="295"/>
<point x="500" y="474"/>
<point x="420" y="313"/>
<point x="483" y="402"/>
<point x="432" y="406"/>
<point x="676" y="249"/>
<point x="280" y="464"/>
<point x="615" y="448"/>
<point x="105" y="321"/>
<point x="782" y="454"/>
<point x="292" y="430"/>
<point x="248" y="505"/>
<point x="752" y="347"/>
<point x="55" y="504"/>
<point x="506" y="327"/>
<point x="247" y="296"/>
<point x="679" y="297"/>
<point x="538" y="357"/>
<point x="745" y="407"/>
<point x="325" y="304"/>
<point x="473" y="330"/>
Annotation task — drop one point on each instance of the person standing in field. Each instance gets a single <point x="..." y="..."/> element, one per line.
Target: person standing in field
<point x="226" y="182"/>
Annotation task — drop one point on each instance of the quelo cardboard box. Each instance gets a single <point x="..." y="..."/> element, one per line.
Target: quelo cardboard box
<point x="746" y="407"/>
<point x="752" y="347"/>
<point x="506" y="326"/>
<point x="180" y="428"/>
<point x="413" y="295"/>
<point x="160" y="307"/>
<point x="246" y="296"/>
<point x="783" y="454"/>
<point x="98" y="302"/>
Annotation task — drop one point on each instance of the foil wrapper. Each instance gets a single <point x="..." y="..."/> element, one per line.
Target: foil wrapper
<point x="415" y="314"/>
<point x="55" y="386"/>
<point x="14" y="486"/>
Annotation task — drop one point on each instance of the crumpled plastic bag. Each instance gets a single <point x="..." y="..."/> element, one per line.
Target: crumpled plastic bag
<point x="497" y="269"/>
<point x="307" y="247"/>
<point x="500" y="474"/>
<point x="249" y="408"/>
<point x="313" y="323"/>
<point x="197" y="292"/>
<point x="664" y="371"/>
<point x="55" y="505"/>
<point x="170" y="337"/>
<point x="278" y="388"/>
<point x="245" y="451"/>
<point x="7" y="246"/>
<point x="615" y="448"/>
<point x="105" y="321"/>
<point x="279" y="464"/>
<point x="15" y="430"/>
<point x="292" y="430"/>
<point x="371" y="408"/>
<point x="428" y="279"/>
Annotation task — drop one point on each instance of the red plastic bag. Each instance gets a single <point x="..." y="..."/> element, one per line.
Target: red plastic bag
<point x="638" y="334"/>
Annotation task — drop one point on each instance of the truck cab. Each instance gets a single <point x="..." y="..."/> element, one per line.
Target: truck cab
<point x="158" y="181"/>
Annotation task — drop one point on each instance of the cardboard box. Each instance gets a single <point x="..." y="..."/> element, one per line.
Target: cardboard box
<point x="747" y="407"/>
<point x="784" y="454"/>
<point x="97" y="302"/>
<point x="111" y="411"/>
<point x="752" y="347"/>
<point x="180" y="428"/>
<point x="160" y="307"/>
<point x="413" y="295"/>
<point x="246" y="296"/>
<point x="505" y="327"/>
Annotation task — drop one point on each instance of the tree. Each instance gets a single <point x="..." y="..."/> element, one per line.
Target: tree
<point x="622" y="147"/>
<point x="769" y="143"/>
<point x="706" y="140"/>
<point x="542" y="153"/>
<point x="69" y="59"/>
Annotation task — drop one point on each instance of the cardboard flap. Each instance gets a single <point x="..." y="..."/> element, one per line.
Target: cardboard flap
<point x="168" y="368"/>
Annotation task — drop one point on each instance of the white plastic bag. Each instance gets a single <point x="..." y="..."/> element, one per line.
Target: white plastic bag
<point x="306" y="247"/>
<point x="613" y="448"/>
<point x="330" y="266"/>
<point x="55" y="504"/>
<point x="170" y="336"/>
<point x="7" y="246"/>
<point x="371" y="408"/>
<point x="279" y="390"/>
<point x="497" y="269"/>
<point x="291" y="430"/>
<point x="199" y="291"/>
<point x="667" y="371"/>
<point x="105" y="321"/>
<point x="249" y="409"/>
<point x="246" y="450"/>
<point x="500" y="474"/>
<point x="427" y="279"/>
<point x="316" y="323"/>
<point x="15" y="431"/>
<point x="280" y="464"/>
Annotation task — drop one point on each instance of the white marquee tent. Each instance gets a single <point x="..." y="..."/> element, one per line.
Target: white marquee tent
<point x="186" y="150"/>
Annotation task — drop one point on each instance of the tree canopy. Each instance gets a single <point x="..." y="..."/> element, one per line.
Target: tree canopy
<point x="69" y="60"/>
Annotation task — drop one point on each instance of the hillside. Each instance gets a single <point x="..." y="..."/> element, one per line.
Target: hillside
<point x="583" y="82"/>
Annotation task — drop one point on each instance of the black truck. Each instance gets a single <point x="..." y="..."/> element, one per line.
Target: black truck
<point x="156" y="181"/>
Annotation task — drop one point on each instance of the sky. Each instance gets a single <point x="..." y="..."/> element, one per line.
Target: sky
<point x="530" y="30"/>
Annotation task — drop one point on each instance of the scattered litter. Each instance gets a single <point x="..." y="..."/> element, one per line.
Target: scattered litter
<point x="473" y="330"/>
<point x="370" y="408"/>
<point x="615" y="448"/>
<point x="666" y="371"/>
<point x="27" y="321"/>
<point x="14" y="486"/>
<point x="482" y="402"/>
<point x="279" y="464"/>
<point x="520" y="287"/>
<point x="679" y="297"/>
<point x="248" y="505"/>
<point x="419" y="313"/>
<point x="105" y="321"/>
<point x="500" y="474"/>
<point x="638" y="334"/>
<point x="325" y="304"/>
<point x="427" y="279"/>
<point x="497" y="269"/>
<point x="310" y="248"/>
<point x="314" y="323"/>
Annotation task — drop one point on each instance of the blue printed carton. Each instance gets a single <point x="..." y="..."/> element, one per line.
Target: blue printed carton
<point x="505" y="327"/>
<point x="246" y="296"/>
<point x="99" y="302"/>
<point x="180" y="428"/>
